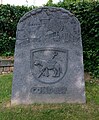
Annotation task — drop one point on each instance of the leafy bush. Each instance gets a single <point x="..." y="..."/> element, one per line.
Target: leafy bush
<point x="9" y="17"/>
<point x="86" y="12"/>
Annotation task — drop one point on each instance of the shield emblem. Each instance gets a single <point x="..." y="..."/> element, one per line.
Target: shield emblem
<point x="49" y="65"/>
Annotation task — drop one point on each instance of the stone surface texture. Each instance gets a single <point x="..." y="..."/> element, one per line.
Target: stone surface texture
<point x="48" y="66"/>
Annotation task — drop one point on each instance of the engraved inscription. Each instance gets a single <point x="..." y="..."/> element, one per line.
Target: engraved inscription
<point x="47" y="64"/>
<point x="48" y="90"/>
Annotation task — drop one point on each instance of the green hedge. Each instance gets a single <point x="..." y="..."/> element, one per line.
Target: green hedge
<point x="88" y="15"/>
<point x="9" y="17"/>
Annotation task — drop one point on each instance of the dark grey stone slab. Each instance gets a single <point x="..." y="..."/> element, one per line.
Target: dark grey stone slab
<point x="48" y="63"/>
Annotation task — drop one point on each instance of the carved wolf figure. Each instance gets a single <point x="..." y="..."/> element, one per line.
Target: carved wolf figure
<point x="46" y="66"/>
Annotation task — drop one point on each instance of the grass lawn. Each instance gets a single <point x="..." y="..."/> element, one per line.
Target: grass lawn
<point x="88" y="111"/>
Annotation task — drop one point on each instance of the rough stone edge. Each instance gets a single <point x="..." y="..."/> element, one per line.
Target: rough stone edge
<point x="38" y="10"/>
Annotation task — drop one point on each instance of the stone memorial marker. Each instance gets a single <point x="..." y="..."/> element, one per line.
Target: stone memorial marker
<point x="48" y="63"/>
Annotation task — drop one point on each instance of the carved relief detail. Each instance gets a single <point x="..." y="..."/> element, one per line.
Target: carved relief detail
<point x="48" y="24"/>
<point x="47" y="64"/>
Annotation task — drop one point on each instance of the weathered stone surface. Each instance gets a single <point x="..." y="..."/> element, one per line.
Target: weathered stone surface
<point x="48" y="63"/>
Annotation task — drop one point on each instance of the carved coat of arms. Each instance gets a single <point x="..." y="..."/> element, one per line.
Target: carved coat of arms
<point x="49" y="65"/>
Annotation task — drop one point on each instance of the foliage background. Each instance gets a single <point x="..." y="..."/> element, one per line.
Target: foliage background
<point x="86" y="12"/>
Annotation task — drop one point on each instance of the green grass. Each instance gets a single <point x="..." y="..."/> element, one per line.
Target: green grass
<point x="88" y="111"/>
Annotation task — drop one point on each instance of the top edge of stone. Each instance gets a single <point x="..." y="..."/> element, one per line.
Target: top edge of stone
<point x="38" y="10"/>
